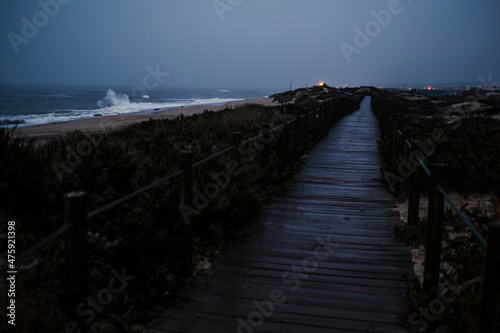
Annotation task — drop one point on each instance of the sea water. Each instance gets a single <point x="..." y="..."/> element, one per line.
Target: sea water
<point x="25" y="106"/>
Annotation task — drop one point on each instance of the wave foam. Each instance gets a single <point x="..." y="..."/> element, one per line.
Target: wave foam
<point x="113" y="99"/>
<point x="111" y="104"/>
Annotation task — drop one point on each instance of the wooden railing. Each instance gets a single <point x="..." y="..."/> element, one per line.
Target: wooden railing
<point x="76" y="215"/>
<point x="489" y="320"/>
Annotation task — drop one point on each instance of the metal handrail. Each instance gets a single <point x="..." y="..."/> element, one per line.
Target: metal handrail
<point x="427" y="171"/>
<point x="488" y="319"/>
<point x="205" y="160"/>
<point x="253" y="138"/>
<point x="476" y="233"/>
<point x="46" y="241"/>
<point x="457" y="210"/>
<point x="131" y="195"/>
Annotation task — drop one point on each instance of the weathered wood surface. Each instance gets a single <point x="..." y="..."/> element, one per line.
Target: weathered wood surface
<point x="322" y="258"/>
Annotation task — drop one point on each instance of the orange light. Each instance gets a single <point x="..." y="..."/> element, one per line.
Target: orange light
<point x="321" y="84"/>
<point x="428" y="88"/>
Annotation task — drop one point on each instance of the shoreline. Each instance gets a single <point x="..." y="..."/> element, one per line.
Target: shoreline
<point x="45" y="131"/>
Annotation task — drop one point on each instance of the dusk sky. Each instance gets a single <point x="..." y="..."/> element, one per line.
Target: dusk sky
<point x="248" y="43"/>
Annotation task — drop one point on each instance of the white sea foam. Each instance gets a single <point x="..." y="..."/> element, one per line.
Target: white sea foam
<point x="111" y="104"/>
<point x="113" y="99"/>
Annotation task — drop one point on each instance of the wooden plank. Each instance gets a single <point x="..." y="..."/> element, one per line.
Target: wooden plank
<point x="326" y="245"/>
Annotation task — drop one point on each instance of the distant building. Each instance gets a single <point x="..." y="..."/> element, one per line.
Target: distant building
<point x="495" y="88"/>
<point x="489" y="92"/>
<point x="439" y="92"/>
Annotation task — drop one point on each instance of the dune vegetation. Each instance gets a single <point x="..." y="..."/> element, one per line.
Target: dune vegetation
<point x="156" y="243"/>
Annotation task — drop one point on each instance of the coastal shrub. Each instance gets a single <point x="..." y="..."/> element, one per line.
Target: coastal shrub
<point x="469" y="149"/>
<point x="148" y="235"/>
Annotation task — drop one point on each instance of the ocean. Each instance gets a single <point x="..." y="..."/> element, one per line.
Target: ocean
<point x="27" y="106"/>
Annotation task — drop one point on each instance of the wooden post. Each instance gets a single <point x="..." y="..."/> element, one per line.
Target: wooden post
<point x="340" y="112"/>
<point x="236" y="141"/>
<point x="186" y="163"/>
<point x="315" y="121"/>
<point x="329" y="115"/>
<point x="321" y="116"/>
<point x="265" y="152"/>
<point x="284" y="139"/>
<point x="382" y="120"/>
<point x="297" y="129"/>
<point x="489" y="318"/>
<point x="405" y="152"/>
<point x="387" y="124"/>
<point x="324" y="116"/>
<point x="395" y="139"/>
<point x="77" y="261"/>
<point x="306" y="124"/>
<point x="391" y="134"/>
<point x="434" y="231"/>
<point x="336" y="113"/>
<point x="414" y="192"/>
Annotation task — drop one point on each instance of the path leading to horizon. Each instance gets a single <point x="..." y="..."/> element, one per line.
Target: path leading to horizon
<point x="323" y="257"/>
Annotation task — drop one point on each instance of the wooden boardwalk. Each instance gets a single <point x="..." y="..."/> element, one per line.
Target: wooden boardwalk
<point x="323" y="256"/>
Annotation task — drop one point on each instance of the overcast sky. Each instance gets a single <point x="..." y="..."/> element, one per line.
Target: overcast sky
<point x="248" y="43"/>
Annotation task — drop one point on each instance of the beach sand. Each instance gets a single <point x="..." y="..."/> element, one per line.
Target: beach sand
<point x="47" y="131"/>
